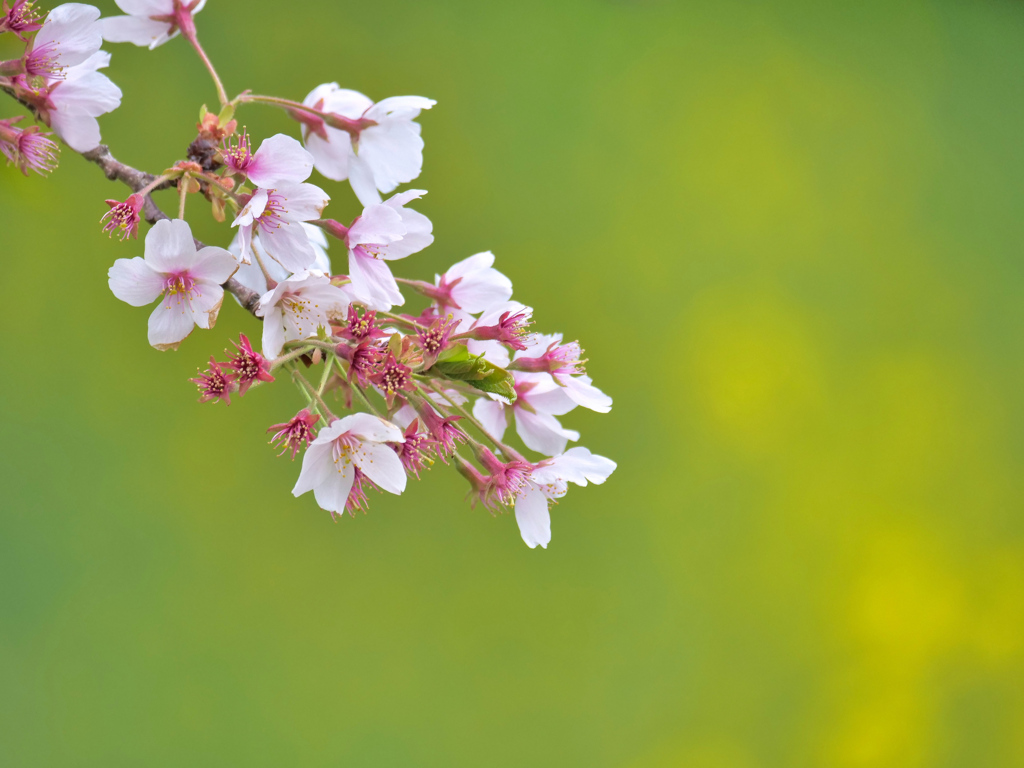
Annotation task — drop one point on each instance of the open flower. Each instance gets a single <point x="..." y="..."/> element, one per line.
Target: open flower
<point x="471" y="285"/>
<point x="547" y="352"/>
<point x="276" y="216"/>
<point x="188" y="280"/>
<point x="297" y="307"/>
<point x="539" y="400"/>
<point x="385" y="231"/>
<point x="150" y="22"/>
<point x="379" y="147"/>
<point x="549" y="481"/>
<point x="20" y="18"/>
<point x="69" y="36"/>
<point x="251" y="275"/>
<point x="359" y="441"/>
<point x="280" y="159"/>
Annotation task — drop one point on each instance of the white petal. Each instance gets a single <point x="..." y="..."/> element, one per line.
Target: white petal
<point x="273" y="333"/>
<point x="205" y="304"/>
<point x="474" y="263"/>
<point x="331" y="157"/>
<point x="134" y="281"/>
<point x="584" y="393"/>
<point x="369" y="427"/>
<point x="543" y="433"/>
<point x="332" y="494"/>
<point x="169" y="246"/>
<point x="483" y="290"/>
<point x="280" y="159"/>
<point x="139" y="30"/>
<point x="288" y="245"/>
<point x="378" y="224"/>
<point x="400" y="107"/>
<point x="317" y="464"/>
<point x="345" y="102"/>
<point x="372" y="278"/>
<point x="394" y="152"/>
<point x="360" y="176"/>
<point x="253" y="209"/>
<point x="213" y="264"/>
<point x="492" y="415"/>
<point x="533" y="518"/>
<point x="578" y="465"/>
<point x="303" y="202"/>
<point x="170" y="322"/>
<point x="146" y="7"/>
<point x="73" y="28"/>
<point x="382" y="465"/>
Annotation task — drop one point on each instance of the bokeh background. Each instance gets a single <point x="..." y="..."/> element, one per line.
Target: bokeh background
<point x="789" y="237"/>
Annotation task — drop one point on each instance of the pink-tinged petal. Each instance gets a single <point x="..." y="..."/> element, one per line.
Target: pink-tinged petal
<point x="492" y="415"/>
<point x="280" y="159"/>
<point x="344" y="101"/>
<point x="372" y="278"/>
<point x="133" y="281"/>
<point x="205" y="303"/>
<point x="138" y="30"/>
<point x="331" y="157"/>
<point x="86" y="92"/>
<point x="533" y="518"/>
<point x="273" y="333"/>
<point x="170" y="323"/>
<point x="317" y="465"/>
<point x="366" y="426"/>
<point x="584" y="393"/>
<point x="214" y="265"/>
<point x="578" y="465"/>
<point x="360" y="176"/>
<point x="378" y="224"/>
<point x="418" y="231"/>
<point x="333" y="492"/>
<point x="169" y="246"/>
<point x="474" y="263"/>
<point x="289" y="246"/>
<point x="303" y="202"/>
<point x="382" y="465"/>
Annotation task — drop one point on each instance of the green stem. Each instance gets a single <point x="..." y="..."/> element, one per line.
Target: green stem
<point x="366" y="401"/>
<point x="221" y="93"/>
<point x="289" y="357"/>
<point x="320" y="404"/>
<point x="472" y="420"/>
<point x="400" y="319"/>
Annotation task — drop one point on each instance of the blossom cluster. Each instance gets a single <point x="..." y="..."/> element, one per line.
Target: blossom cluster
<point x="444" y="381"/>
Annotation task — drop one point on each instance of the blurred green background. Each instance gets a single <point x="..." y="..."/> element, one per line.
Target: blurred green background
<point x="788" y="236"/>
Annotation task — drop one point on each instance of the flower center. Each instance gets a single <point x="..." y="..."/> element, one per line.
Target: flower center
<point x="181" y="284"/>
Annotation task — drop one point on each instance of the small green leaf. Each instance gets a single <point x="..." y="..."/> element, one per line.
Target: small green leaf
<point x="226" y="114"/>
<point x="203" y="112"/>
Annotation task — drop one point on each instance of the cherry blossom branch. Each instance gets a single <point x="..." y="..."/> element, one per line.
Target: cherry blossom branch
<point x="353" y="126"/>
<point x="138" y="181"/>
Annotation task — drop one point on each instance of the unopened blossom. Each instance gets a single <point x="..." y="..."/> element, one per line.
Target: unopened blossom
<point x="539" y="399"/>
<point x="577" y="385"/>
<point x="391" y="377"/>
<point x="251" y="275"/>
<point x="357" y="441"/>
<point x="69" y="37"/>
<point x="249" y="366"/>
<point x="471" y="285"/>
<point x="214" y="383"/>
<point x="27" y="148"/>
<point x="151" y="22"/>
<point x="276" y="215"/>
<point x="294" y="434"/>
<point x="297" y="308"/>
<point x="189" y="282"/>
<point x="20" y="18"/>
<point x="279" y="160"/>
<point x="549" y="481"/>
<point x="384" y="232"/>
<point x="124" y="216"/>
<point x="378" y="148"/>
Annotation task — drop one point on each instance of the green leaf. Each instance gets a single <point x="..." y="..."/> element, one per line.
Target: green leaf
<point x="226" y="114"/>
<point x="457" y="364"/>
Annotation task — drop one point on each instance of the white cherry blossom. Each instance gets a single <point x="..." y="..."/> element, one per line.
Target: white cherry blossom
<point x="384" y="232"/>
<point x="251" y="276"/>
<point x="297" y="307"/>
<point x="275" y="215"/>
<point x="188" y="280"/>
<point x="382" y="147"/>
<point x="539" y="400"/>
<point x="356" y="443"/>
<point x="471" y="285"/>
<point x="148" y="23"/>
<point x="69" y="36"/>
<point x="550" y="480"/>
<point x="279" y="160"/>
